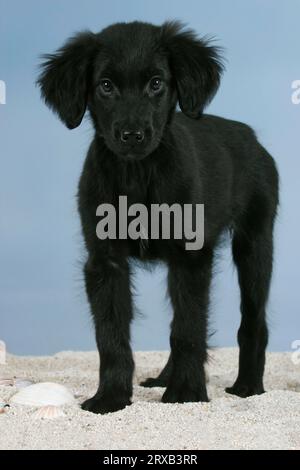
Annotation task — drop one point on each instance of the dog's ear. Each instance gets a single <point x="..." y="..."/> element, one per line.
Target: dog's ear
<point x="65" y="77"/>
<point x="196" y="66"/>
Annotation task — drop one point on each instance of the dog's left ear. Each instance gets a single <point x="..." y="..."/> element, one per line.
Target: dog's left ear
<point x="65" y="77"/>
<point x="196" y="66"/>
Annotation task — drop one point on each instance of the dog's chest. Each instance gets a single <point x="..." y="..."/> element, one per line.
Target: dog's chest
<point x="142" y="191"/>
<point x="133" y="181"/>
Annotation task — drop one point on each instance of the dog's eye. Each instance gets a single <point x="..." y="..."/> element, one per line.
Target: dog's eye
<point x="156" y="84"/>
<point x="106" y="86"/>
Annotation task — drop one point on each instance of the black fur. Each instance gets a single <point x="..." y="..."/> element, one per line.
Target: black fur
<point x="205" y="159"/>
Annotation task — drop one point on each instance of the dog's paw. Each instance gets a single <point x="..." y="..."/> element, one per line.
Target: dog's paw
<point x="184" y="394"/>
<point x="154" y="382"/>
<point x="245" y="390"/>
<point x="101" y="405"/>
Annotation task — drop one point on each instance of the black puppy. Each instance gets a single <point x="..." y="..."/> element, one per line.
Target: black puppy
<point x="130" y="78"/>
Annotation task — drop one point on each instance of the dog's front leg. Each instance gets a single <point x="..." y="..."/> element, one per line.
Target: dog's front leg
<point x="108" y="290"/>
<point x="189" y="292"/>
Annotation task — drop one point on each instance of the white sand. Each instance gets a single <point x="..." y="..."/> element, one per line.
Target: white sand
<point x="269" y="421"/>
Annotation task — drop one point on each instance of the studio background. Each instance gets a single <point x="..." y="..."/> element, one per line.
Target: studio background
<point x="42" y="300"/>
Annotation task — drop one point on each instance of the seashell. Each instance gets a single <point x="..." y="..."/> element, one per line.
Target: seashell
<point x="3" y="406"/>
<point x="49" y="412"/>
<point x="2" y="352"/>
<point x="43" y="394"/>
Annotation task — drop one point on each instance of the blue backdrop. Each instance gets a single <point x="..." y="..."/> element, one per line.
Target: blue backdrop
<point x="42" y="299"/>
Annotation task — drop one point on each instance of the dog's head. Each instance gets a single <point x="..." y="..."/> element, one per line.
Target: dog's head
<point x="130" y="77"/>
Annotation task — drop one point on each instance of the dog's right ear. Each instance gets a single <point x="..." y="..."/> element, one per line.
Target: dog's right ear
<point x="66" y="76"/>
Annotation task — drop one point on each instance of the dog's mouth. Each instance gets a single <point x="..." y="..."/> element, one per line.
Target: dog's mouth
<point x="136" y="152"/>
<point x="133" y="155"/>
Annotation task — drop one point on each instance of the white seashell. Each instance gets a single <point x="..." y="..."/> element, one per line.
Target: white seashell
<point x="48" y="412"/>
<point x="43" y="394"/>
<point x="2" y="352"/>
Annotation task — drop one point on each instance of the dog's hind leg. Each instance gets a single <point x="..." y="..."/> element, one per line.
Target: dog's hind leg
<point x="162" y="379"/>
<point x="252" y="254"/>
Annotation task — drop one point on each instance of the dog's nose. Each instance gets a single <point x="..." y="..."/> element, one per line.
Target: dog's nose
<point x="132" y="137"/>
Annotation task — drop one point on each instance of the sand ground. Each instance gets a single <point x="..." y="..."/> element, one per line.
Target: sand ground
<point x="269" y="421"/>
